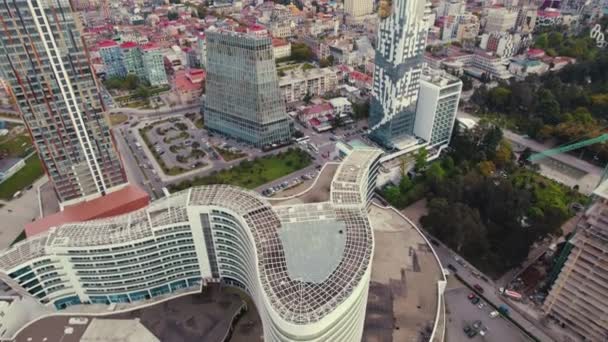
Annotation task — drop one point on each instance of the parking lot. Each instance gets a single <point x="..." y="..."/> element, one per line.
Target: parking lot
<point x="462" y="312"/>
<point x="177" y="143"/>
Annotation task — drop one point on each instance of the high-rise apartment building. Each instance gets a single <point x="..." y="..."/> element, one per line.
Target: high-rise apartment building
<point x="45" y="61"/>
<point x="358" y="8"/>
<point x="132" y="59"/>
<point x="500" y="20"/>
<point x="153" y="64"/>
<point x="579" y="297"/>
<point x="399" y="58"/>
<point x="437" y="107"/>
<point x="111" y="56"/>
<point x="243" y="99"/>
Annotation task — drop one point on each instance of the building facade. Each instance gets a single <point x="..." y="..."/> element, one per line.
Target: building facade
<point x="579" y="297"/>
<point x="132" y="59"/>
<point x="437" y="107"/>
<point x="500" y="20"/>
<point x="307" y="266"/>
<point x="243" y="99"/>
<point x="399" y="59"/>
<point x="153" y="64"/>
<point x="58" y="97"/>
<point x="314" y="82"/>
<point x="110" y="54"/>
<point x="358" y="8"/>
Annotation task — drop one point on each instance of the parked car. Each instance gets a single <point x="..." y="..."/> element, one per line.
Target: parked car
<point x="475" y="300"/>
<point x="452" y="268"/>
<point x="481" y="305"/>
<point x="477" y="325"/>
<point x="478" y="288"/>
<point x="494" y="314"/>
<point x="471" y="296"/>
<point x="483" y="331"/>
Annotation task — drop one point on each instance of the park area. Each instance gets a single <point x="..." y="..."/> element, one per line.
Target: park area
<point x="251" y="174"/>
<point x="16" y="145"/>
<point x="22" y="178"/>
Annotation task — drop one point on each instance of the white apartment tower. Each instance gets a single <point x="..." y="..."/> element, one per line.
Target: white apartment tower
<point x="437" y="107"/>
<point x="358" y="8"/>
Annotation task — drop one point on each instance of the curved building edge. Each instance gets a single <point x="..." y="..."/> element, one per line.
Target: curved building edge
<point x="211" y="234"/>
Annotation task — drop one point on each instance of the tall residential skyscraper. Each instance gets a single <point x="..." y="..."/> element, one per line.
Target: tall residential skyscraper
<point x="45" y="61"/>
<point x="579" y="297"/>
<point x="401" y="41"/>
<point x="243" y="99"/>
<point x="357" y="8"/>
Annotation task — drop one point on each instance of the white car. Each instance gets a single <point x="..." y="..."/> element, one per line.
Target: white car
<point x="494" y="314"/>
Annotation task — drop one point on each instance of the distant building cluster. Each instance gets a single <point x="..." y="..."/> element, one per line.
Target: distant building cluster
<point x="144" y="61"/>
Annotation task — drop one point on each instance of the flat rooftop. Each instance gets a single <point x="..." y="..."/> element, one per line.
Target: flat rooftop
<point x="191" y="318"/>
<point x="403" y="294"/>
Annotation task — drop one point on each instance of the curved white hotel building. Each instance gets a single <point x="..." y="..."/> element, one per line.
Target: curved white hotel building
<point x="306" y="266"/>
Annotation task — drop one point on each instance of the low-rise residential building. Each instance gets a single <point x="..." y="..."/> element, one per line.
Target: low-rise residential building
<point x="283" y="29"/>
<point x="341" y="105"/>
<point x="188" y="85"/>
<point x="281" y="48"/>
<point x="9" y="166"/>
<point x="295" y="85"/>
<point x="523" y="67"/>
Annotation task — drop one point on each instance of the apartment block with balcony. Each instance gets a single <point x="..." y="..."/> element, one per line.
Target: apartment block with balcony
<point x="295" y="85"/>
<point x="579" y="297"/>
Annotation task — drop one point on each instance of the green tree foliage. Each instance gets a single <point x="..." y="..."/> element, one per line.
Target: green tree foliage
<point x="467" y="83"/>
<point x="300" y="52"/>
<point x="570" y="104"/>
<point x="360" y="110"/>
<point x="172" y="15"/>
<point x="481" y="203"/>
<point x="130" y="82"/>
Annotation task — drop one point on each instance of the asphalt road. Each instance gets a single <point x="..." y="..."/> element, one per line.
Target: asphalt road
<point x="462" y="312"/>
<point x="466" y="270"/>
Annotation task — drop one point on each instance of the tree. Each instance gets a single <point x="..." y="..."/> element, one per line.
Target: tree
<point x="420" y="160"/>
<point x="486" y="168"/>
<point x="172" y="16"/>
<point x="307" y="98"/>
<point x="360" y="110"/>
<point x="503" y="155"/>
<point x="498" y="98"/>
<point x="325" y="62"/>
<point x="467" y="83"/>
<point x="523" y="157"/>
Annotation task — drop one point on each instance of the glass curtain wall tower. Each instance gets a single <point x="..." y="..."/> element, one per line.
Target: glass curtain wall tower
<point x="46" y="63"/>
<point x="243" y="98"/>
<point x="399" y="60"/>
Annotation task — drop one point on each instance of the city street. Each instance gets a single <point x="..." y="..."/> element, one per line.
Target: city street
<point x="462" y="312"/>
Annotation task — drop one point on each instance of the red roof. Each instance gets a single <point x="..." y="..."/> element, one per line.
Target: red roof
<point x="256" y="27"/>
<point x="314" y="122"/>
<point x="128" y="45"/>
<point x="549" y="12"/>
<point x="278" y="42"/>
<point x="107" y="43"/>
<point x="359" y="76"/>
<point x="184" y="82"/>
<point x="318" y="109"/>
<point x="149" y="46"/>
<point x="119" y="202"/>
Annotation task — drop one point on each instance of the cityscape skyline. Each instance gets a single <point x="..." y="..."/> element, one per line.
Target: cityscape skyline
<point x="303" y="171"/>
